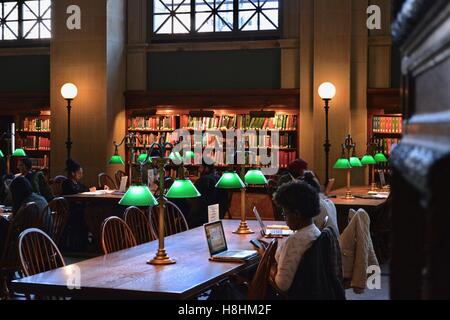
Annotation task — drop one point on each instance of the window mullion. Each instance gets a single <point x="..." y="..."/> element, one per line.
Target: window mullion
<point x="235" y="16"/>
<point x="20" y="7"/>
<point x="193" y="24"/>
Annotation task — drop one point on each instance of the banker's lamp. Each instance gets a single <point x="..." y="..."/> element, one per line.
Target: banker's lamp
<point x="141" y="196"/>
<point x="347" y="161"/>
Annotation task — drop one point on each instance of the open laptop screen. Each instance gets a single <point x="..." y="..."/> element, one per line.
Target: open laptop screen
<point x="215" y="237"/>
<point x="258" y="217"/>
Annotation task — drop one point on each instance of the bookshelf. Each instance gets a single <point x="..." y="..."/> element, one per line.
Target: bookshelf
<point x="150" y="128"/>
<point x="33" y="135"/>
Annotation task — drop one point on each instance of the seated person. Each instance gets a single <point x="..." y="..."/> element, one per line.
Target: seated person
<point x="300" y="204"/>
<point x="21" y="194"/>
<point x="73" y="183"/>
<point x="210" y="195"/>
<point x="294" y="171"/>
<point x="76" y="233"/>
<point x="36" y="178"/>
<point x="327" y="207"/>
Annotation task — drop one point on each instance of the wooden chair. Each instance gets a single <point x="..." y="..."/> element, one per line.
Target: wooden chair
<point x="58" y="209"/>
<point x="116" y="235"/>
<point x="139" y="224"/>
<point x="175" y="222"/>
<point x="27" y="217"/>
<point x="38" y="253"/>
<point x="118" y="176"/>
<point x="56" y="185"/>
<point x="258" y="286"/>
<point x="105" y="180"/>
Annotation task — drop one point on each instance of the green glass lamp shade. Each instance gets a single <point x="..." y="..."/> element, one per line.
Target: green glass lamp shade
<point x="368" y="160"/>
<point x="189" y="155"/>
<point x="183" y="189"/>
<point x="355" y="162"/>
<point x="380" y="158"/>
<point x="116" y="159"/>
<point x="139" y="196"/>
<point x="142" y="157"/>
<point x="230" y="180"/>
<point x="342" y="164"/>
<point x="255" y="177"/>
<point x="19" y="153"/>
<point x="1" y="154"/>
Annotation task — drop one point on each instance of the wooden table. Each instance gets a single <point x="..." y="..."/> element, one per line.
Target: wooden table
<point x="356" y="203"/>
<point x="126" y="275"/>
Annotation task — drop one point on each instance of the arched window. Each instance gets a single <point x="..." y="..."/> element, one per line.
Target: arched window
<point x="25" y="20"/>
<point x="197" y="18"/>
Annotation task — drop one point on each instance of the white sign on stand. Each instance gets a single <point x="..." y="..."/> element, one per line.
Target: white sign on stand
<point x="213" y="213"/>
<point x="123" y="184"/>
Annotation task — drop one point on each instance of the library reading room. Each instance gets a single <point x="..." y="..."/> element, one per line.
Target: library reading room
<point x="211" y="150"/>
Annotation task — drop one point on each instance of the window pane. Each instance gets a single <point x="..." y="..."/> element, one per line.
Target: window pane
<point x="248" y="4"/>
<point x="10" y="11"/>
<point x="11" y="31"/>
<point x="182" y="5"/>
<point x="204" y="22"/>
<point x="31" y="10"/>
<point x="46" y="10"/>
<point x="45" y="33"/>
<point x="203" y="5"/>
<point x="162" y="24"/>
<point x="270" y="4"/>
<point x="225" y="5"/>
<point x="224" y="21"/>
<point x="248" y="20"/>
<point x="30" y="30"/>
<point x="182" y="23"/>
<point x="267" y="15"/>
<point x="162" y="6"/>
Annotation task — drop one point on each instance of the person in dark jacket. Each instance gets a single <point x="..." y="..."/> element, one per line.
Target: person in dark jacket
<point x="319" y="275"/>
<point x="76" y="233"/>
<point x="210" y="195"/>
<point x="37" y="179"/>
<point x="73" y="184"/>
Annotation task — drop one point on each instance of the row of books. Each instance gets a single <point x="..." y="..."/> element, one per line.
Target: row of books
<point x="286" y="141"/>
<point x="33" y="143"/>
<point x="383" y="124"/>
<point x="35" y="124"/>
<point x="286" y="157"/>
<point x="41" y="163"/>
<point x="223" y="122"/>
<point x="387" y="145"/>
<point x="153" y="123"/>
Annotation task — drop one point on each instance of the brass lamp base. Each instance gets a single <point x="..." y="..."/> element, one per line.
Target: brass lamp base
<point x="161" y="258"/>
<point x="243" y="229"/>
<point x="349" y="196"/>
<point x="373" y="187"/>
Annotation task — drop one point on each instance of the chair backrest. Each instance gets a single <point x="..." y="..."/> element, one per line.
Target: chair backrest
<point x="56" y="185"/>
<point x="175" y="222"/>
<point x="258" y="287"/>
<point x="105" y="180"/>
<point x="38" y="253"/>
<point x="139" y="224"/>
<point x="58" y="209"/>
<point x="116" y="235"/>
<point x="118" y="176"/>
<point x="27" y="217"/>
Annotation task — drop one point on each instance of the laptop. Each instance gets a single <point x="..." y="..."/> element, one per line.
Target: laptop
<point x="218" y="248"/>
<point x="274" y="232"/>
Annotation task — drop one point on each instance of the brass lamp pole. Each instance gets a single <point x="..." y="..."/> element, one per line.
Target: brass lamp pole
<point x="130" y="140"/>
<point x="161" y="257"/>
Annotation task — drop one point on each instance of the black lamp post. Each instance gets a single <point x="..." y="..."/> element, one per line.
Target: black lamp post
<point x="327" y="91"/>
<point x="69" y="92"/>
